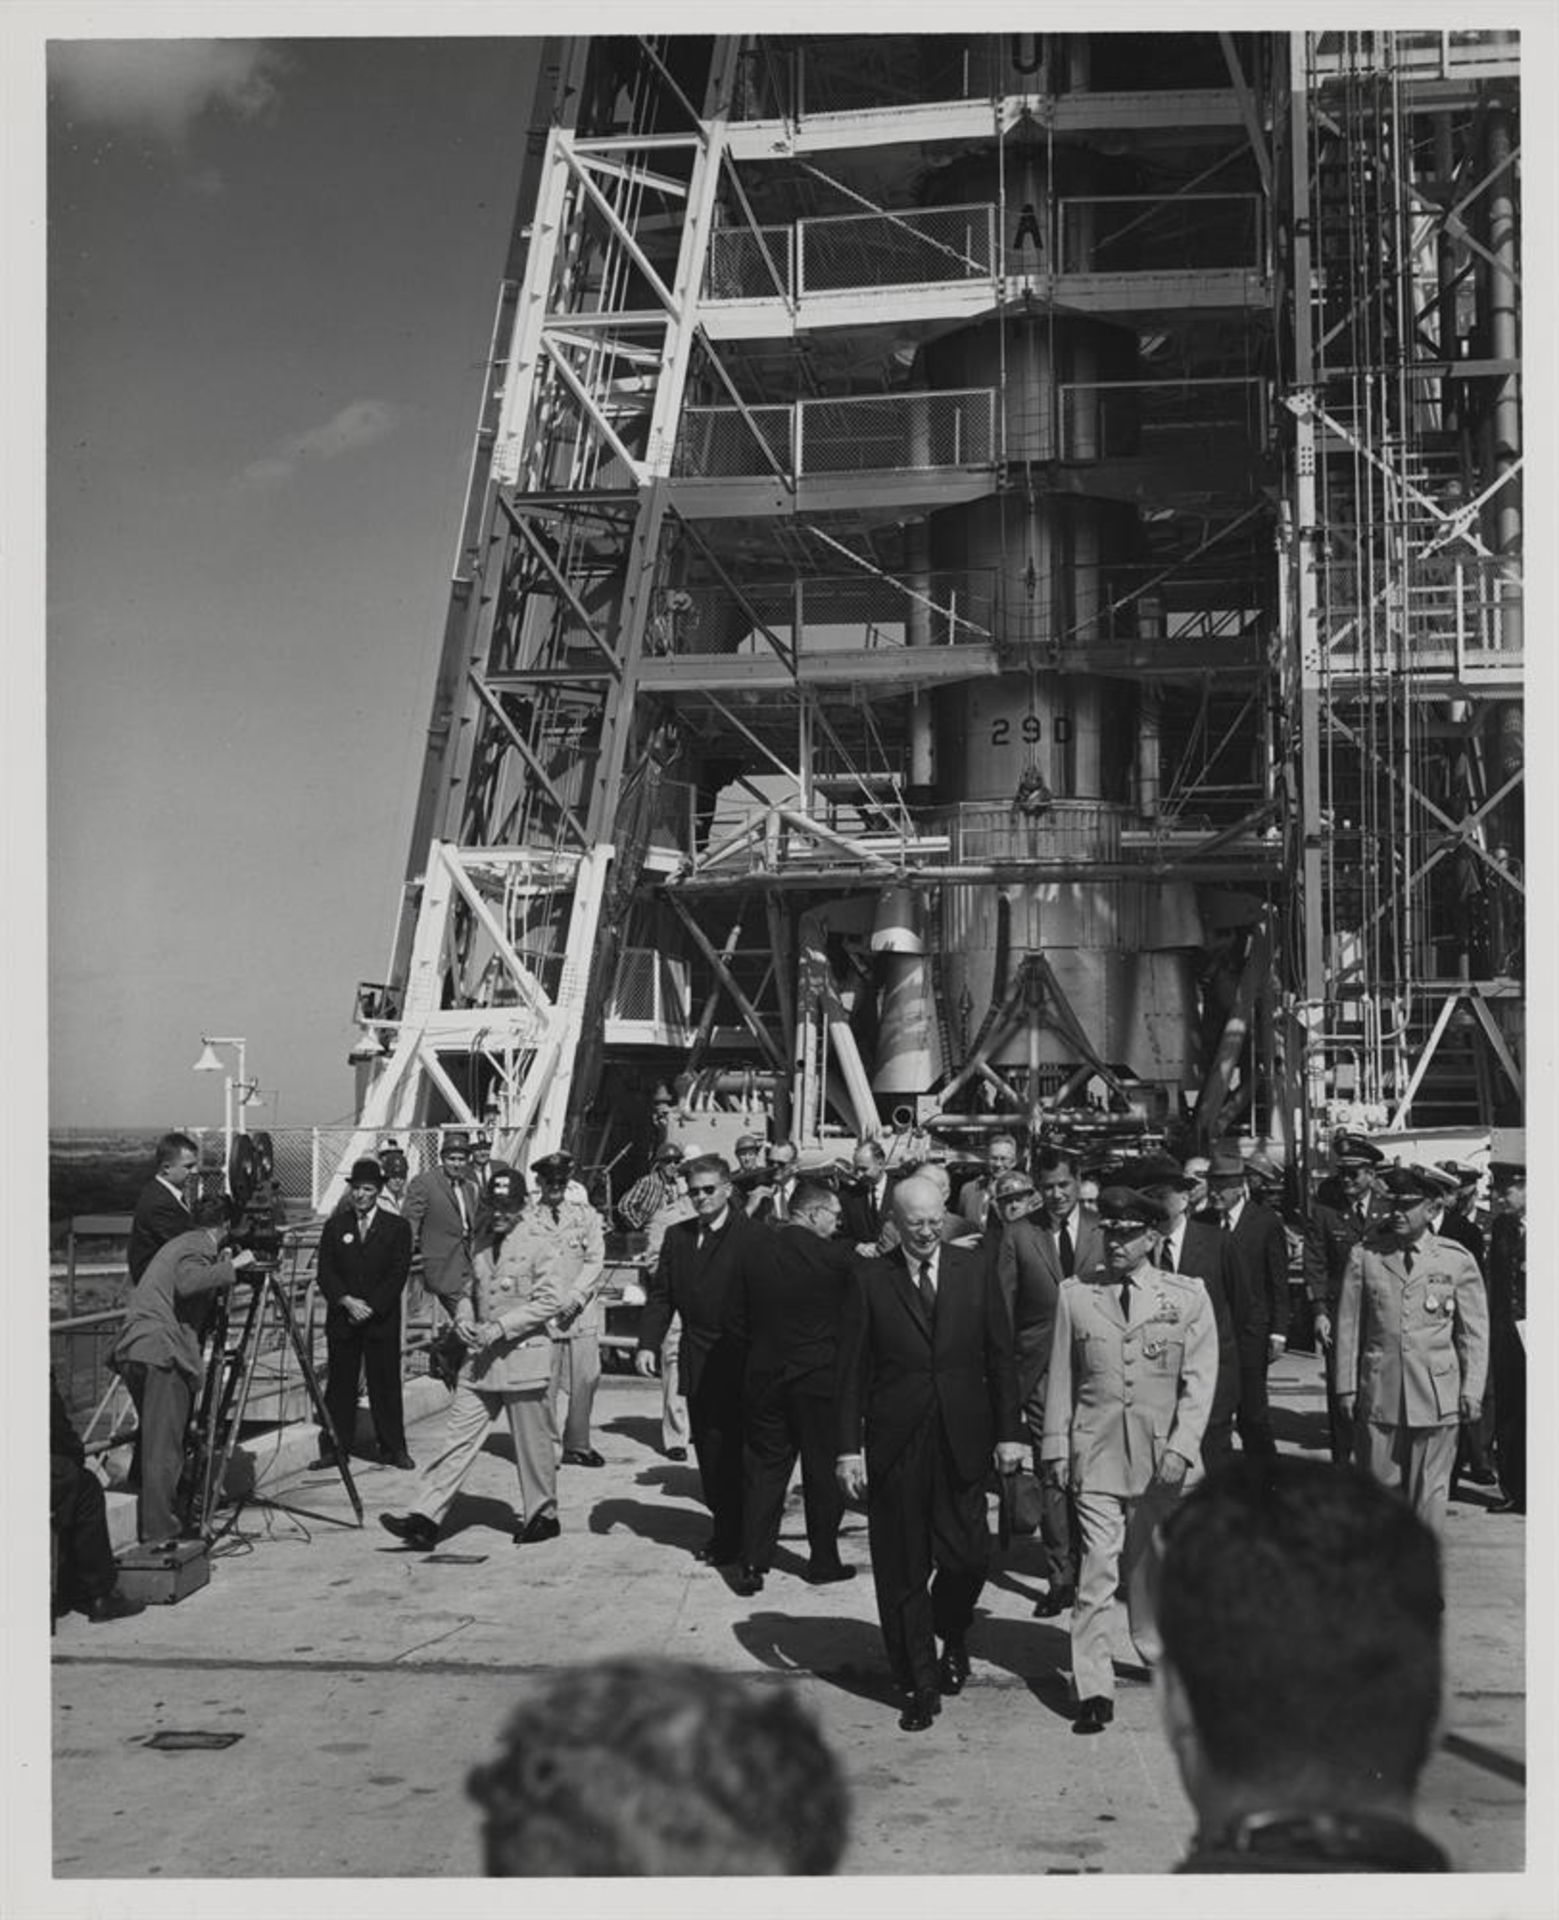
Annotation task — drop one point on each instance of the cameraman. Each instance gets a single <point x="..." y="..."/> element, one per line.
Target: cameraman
<point x="158" y="1355"/>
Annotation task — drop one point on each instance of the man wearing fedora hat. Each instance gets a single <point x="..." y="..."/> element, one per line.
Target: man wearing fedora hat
<point x="1345" y="1209"/>
<point x="1260" y="1246"/>
<point x="1412" y="1346"/>
<point x="1133" y="1369"/>
<point x="364" y="1261"/>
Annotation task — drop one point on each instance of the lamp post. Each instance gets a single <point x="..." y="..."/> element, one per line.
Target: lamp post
<point x="236" y="1093"/>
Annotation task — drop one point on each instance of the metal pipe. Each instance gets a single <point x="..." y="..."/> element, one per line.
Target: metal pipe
<point x="1503" y="300"/>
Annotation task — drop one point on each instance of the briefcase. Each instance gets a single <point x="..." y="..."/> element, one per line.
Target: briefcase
<point x="1022" y="1505"/>
<point x="165" y="1575"/>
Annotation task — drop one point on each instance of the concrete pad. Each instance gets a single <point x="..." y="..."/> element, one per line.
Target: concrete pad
<point x="366" y="1678"/>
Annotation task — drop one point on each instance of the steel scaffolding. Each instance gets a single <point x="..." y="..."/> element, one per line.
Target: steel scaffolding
<point x="871" y="418"/>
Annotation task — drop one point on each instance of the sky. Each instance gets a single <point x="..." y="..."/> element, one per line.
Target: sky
<point x="272" y="274"/>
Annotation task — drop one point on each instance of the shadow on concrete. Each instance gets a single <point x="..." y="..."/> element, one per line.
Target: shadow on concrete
<point x="1037" y="1652"/>
<point x="676" y="1482"/>
<point x="838" y="1651"/>
<point x="473" y="1511"/>
<point x="682" y="1527"/>
<point x="637" y="1426"/>
<point x="1311" y="1432"/>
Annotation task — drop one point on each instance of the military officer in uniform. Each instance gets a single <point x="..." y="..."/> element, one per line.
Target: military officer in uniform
<point x="1133" y="1367"/>
<point x="1345" y="1209"/>
<point x="571" y="1228"/>
<point x="1412" y="1347"/>
<point x="515" y="1292"/>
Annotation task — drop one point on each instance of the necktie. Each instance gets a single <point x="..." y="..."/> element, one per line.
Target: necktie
<point x="557" y="1212"/>
<point x="1171" y="1265"/>
<point x="460" y="1202"/>
<point x="1407" y="1258"/>
<point x="1126" y="1301"/>
<point x="927" y="1290"/>
<point x="1066" y="1251"/>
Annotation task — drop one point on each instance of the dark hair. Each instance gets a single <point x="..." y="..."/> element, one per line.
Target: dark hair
<point x="645" y="1766"/>
<point x="211" y="1210"/>
<point x="808" y="1191"/>
<point x="1057" y="1159"/>
<point x="171" y="1145"/>
<point x="1300" y="1604"/>
<point x="707" y="1163"/>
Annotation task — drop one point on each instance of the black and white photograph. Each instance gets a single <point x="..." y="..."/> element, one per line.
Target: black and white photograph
<point x="771" y="885"/>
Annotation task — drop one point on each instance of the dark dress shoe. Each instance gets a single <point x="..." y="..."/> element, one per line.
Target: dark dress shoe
<point x="920" y="1710"/>
<point x="750" y="1580"/>
<point x="112" y="1605"/>
<point x="1048" y="1605"/>
<point x="825" y="1575"/>
<point x="400" y="1459"/>
<point x="1506" y="1505"/>
<point x="716" y="1553"/>
<point x="1094" y="1715"/>
<point x="676" y="1453"/>
<point x="545" y="1526"/>
<point x="416" y="1529"/>
<point x="952" y="1670"/>
<point x="583" y="1457"/>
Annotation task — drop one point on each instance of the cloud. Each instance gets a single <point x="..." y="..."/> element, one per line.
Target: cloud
<point x="356" y="426"/>
<point x="162" y="87"/>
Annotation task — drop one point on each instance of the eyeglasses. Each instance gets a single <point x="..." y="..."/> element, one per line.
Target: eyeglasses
<point x="703" y="1190"/>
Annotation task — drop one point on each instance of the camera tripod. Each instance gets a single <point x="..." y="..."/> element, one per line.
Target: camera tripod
<point x="226" y="1393"/>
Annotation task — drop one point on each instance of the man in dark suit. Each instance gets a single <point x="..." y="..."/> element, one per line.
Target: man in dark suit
<point x="784" y="1313"/>
<point x="1197" y="1247"/>
<point x="1076" y="1244"/>
<point x="364" y="1260"/>
<point x="866" y="1202"/>
<point x="694" y="1278"/>
<point x="926" y="1371"/>
<point x="440" y="1207"/>
<point x="772" y="1206"/>
<point x="1451" y="1220"/>
<point x="1507" y="1283"/>
<point x="1346" y="1208"/>
<point x="162" y="1211"/>
<point x="1261" y="1249"/>
<point x="1029" y="1276"/>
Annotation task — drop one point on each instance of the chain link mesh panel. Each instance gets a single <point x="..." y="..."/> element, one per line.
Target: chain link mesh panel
<point x="725" y="443"/>
<point x="748" y="265"/>
<point x="898" y="432"/>
<point x="1175" y="233"/>
<point x="931" y="248"/>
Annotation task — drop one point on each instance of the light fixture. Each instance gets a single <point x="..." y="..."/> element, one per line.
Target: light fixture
<point x="208" y="1061"/>
<point x="368" y="1046"/>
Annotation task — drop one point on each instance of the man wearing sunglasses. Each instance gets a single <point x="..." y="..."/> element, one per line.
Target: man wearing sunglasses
<point x="694" y="1278"/>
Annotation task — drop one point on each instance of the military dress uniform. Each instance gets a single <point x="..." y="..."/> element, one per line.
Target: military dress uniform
<point x="1125" y="1388"/>
<point x="572" y="1233"/>
<point x="1413" y="1342"/>
<point x="516" y="1285"/>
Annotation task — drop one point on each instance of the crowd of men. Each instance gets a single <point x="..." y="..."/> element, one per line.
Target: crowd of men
<point x="1107" y="1330"/>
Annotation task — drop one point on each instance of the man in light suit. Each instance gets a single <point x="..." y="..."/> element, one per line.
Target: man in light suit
<point x="572" y="1228"/>
<point x="364" y="1261"/>
<point x="503" y="1320"/>
<point x="1412" y="1347"/>
<point x="926" y="1375"/>
<point x="695" y="1278"/>
<point x="1261" y="1247"/>
<point x="440" y="1206"/>
<point x="976" y="1197"/>
<point x="1133" y="1369"/>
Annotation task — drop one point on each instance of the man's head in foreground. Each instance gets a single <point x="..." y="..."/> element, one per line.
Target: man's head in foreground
<point x="643" y="1766"/>
<point x="1300" y="1610"/>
